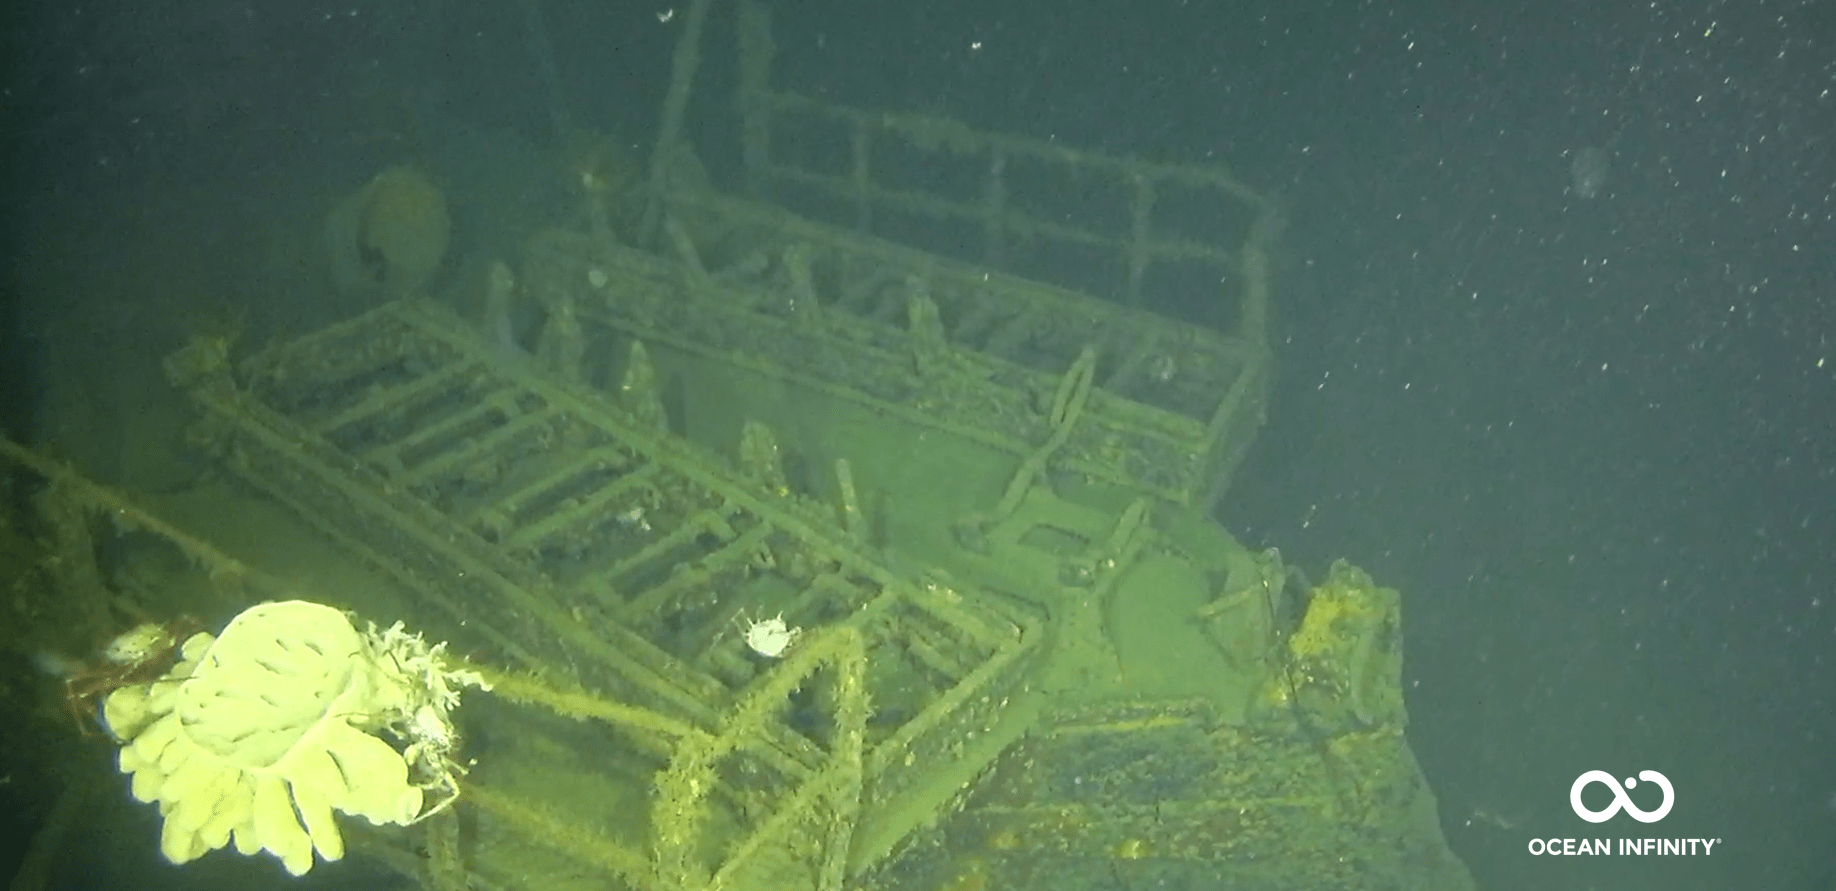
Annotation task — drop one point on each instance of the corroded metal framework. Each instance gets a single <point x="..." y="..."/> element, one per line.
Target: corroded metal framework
<point x="702" y="410"/>
<point x="555" y="530"/>
<point x="957" y="297"/>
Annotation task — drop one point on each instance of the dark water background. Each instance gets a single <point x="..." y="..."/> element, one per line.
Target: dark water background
<point x="1587" y="173"/>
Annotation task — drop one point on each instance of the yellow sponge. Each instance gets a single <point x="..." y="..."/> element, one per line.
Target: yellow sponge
<point x="259" y="734"/>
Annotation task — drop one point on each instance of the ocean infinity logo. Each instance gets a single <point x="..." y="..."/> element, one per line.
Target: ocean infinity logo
<point x="1621" y="801"/>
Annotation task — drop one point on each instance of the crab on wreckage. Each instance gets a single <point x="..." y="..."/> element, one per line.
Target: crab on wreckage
<point x="139" y="655"/>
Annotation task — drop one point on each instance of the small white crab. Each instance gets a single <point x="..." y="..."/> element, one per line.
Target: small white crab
<point x="633" y="518"/>
<point x="431" y="741"/>
<point x="771" y="637"/>
<point x="144" y="642"/>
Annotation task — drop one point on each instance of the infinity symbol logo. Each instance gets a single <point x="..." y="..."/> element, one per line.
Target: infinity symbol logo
<point x="1621" y="801"/>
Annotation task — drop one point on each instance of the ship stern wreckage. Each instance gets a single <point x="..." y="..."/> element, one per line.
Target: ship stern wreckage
<point x="846" y="528"/>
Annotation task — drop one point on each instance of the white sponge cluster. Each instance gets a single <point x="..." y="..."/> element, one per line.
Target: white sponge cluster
<point x="258" y="734"/>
